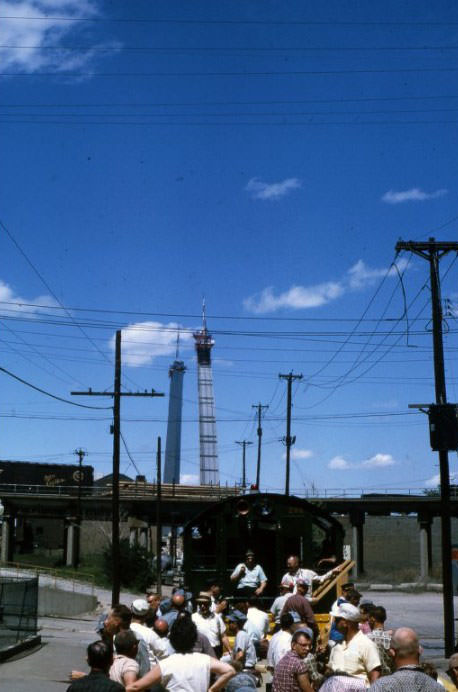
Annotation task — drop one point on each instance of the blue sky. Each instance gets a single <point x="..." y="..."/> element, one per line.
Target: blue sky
<point x="266" y="155"/>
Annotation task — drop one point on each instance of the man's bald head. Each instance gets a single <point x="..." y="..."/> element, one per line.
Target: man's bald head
<point x="405" y="644"/>
<point x="178" y="601"/>
<point x="161" y="627"/>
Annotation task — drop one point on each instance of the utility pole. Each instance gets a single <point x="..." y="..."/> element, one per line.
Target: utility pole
<point x="116" y="430"/>
<point x="288" y="440"/>
<point x="158" y="519"/>
<point x="259" y="433"/>
<point x="243" y="444"/>
<point x="433" y="251"/>
<point x="80" y="453"/>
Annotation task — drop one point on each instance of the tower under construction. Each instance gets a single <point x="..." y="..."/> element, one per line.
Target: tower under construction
<point x="173" y="442"/>
<point x="209" y="470"/>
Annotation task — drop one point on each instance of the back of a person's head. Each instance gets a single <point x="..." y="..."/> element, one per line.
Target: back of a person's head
<point x="124" y="614"/>
<point x="286" y="620"/>
<point x="236" y="665"/>
<point x="178" y="601"/>
<point x="125" y="641"/>
<point x="378" y="613"/>
<point x="405" y="643"/>
<point x="99" y="655"/>
<point x="183" y="635"/>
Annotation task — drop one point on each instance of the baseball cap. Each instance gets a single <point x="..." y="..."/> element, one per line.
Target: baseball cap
<point x="237" y="616"/>
<point x="347" y="611"/>
<point x="139" y="606"/>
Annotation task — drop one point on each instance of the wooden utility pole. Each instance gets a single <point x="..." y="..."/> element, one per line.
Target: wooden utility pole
<point x="259" y="407"/>
<point x="116" y="430"/>
<point x="158" y="519"/>
<point x="243" y="444"/>
<point x="432" y="251"/>
<point x="80" y="453"/>
<point x="288" y="440"/>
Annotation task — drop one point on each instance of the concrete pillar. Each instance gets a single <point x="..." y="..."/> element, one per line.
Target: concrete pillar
<point x="132" y="537"/>
<point x="142" y="538"/>
<point x="6" y="553"/>
<point x="70" y="545"/>
<point x="424" y="523"/>
<point x="357" y="519"/>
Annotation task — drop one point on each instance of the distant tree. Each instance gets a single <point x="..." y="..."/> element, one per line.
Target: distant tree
<point x="136" y="565"/>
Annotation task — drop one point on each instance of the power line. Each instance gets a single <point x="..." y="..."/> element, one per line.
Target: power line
<point x="53" y="396"/>
<point x="227" y="50"/>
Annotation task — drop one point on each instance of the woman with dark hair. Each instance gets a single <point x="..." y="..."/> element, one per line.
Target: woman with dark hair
<point x="185" y="671"/>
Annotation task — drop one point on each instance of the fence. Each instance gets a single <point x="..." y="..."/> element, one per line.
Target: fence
<point x="18" y="609"/>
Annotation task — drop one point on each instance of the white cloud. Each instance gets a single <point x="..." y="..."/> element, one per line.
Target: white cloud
<point x="300" y="453"/>
<point x="358" y="277"/>
<point x="339" y="463"/>
<point x="262" y="190"/>
<point x="189" y="479"/>
<point x="434" y="481"/>
<point x="297" y="297"/>
<point x="11" y="302"/>
<point x="35" y="42"/>
<point x="142" y="342"/>
<point x="378" y="461"/>
<point x="415" y="194"/>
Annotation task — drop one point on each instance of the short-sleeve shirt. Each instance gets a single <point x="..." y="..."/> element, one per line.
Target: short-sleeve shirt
<point x="300" y="605"/>
<point x="307" y="575"/>
<point x="186" y="672"/>
<point x="286" y="672"/>
<point x="406" y="679"/>
<point x="252" y="577"/>
<point x="277" y="606"/>
<point x="121" y="665"/>
<point x="212" y="626"/>
<point x="358" y="658"/>
<point x="243" y="642"/>
<point x="279" y="645"/>
<point x="382" y="641"/>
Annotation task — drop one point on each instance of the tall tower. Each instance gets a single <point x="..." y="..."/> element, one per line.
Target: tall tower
<point x="209" y="470"/>
<point x="173" y="442"/>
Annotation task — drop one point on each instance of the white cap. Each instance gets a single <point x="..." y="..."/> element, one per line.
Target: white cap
<point x="347" y="611"/>
<point x="139" y="607"/>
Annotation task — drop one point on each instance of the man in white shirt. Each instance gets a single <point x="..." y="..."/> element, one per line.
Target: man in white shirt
<point x="356" y="655"/>
<point x="258" y="618"/>
<point x="210" y="624"/>
<point x="280" y="643"/>
<point x="296" y="572"/>
<point x="249" y="577"/>
<point x="157" y="648"/>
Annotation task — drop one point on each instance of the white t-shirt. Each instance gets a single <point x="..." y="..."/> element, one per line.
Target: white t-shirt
<point x="157" y="647"/>
<point x="260" y="620"/>
<point x="186" y="672"/>
<point x="213" y="627"/>
<point x="279" y="645"/>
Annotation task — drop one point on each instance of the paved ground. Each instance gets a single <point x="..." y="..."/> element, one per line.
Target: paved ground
<point x="65" y="640"/>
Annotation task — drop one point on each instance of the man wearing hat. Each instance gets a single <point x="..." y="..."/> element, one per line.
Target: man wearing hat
<point x="356" y="655"/>
<point x="243" y="649"/>
<point x="210" y="624"/>
<point x="277" y="606"/>
<point x="249" y="577"/>
<point x="157" y="648"/>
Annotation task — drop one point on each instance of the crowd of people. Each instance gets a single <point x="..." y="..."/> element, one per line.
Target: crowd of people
<point x="237" y="643"/>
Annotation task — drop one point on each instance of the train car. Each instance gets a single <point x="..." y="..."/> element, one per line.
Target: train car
<point x="274" y="526"/>
<point x="28" y="473"/>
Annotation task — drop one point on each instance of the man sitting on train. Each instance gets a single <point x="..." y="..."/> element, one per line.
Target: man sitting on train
<point x="295" y="572"/>
<point x="249" y="577"/>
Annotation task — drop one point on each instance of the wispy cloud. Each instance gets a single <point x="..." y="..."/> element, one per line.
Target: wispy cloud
<point x="11" y="302"/>
<point x="142" y="342"/>
<point x="300" y="453"/>
<point x="35" y="42"/>
<point x="378" y="461"/>
<point x="261" y="190"/>
<point x="357" y="278"/>
<point x="189" y="479"/>
<point x="415" y="194"/>
<point x="434" y="481"/>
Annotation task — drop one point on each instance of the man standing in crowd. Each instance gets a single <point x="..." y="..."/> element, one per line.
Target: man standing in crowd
<point x="258" y="618"/>
<point x="280" y="643"/>
<point x="291" y="673"/>
<point x="381" y="639"/>
<point x="177" y="605"/>
<point x="156" y="646"/>
<point x="249" y="577"/>
<point x="408" y="675"/>
<point x="295" y="572"/>
<point x="299" y="604"/>
<point x="210" y="624"/>
<point x="277" y="606"/>
<point x="356" y="655"/>
<point x="125" y="668"/>
<point x="99" y="658"/>
<point x="334" y="634"/>
<point x="219" y="603"/>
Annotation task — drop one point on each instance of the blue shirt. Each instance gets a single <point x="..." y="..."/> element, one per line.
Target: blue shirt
<point x="252" y="577"/>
